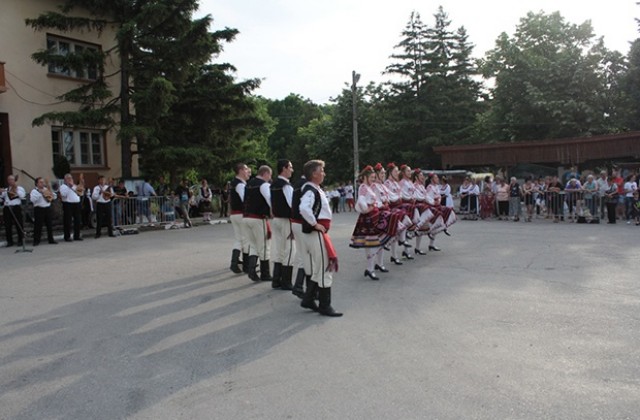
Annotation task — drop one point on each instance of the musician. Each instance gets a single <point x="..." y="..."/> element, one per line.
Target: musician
<point x="257" y="210"/>
<point x="316" y="214"/>
<point x="70" y="193"/>
<point x="236" y="197"/>
<point x="12" y="197"/>
<point x="41" y="197"/>
<point x="102" y="195"/>
<point x="283" y="249"/>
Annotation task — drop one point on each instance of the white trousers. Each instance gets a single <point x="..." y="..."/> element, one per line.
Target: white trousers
<point x="301" y="256"/>
<point x="283" y="248"/>
<point x="317" y="255"/>
<point x="257" y="235"/>
<point x="239" y="232"/>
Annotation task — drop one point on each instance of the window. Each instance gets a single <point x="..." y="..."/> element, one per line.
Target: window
<point x="63" y="46"/>
<point x="81" y="147"/>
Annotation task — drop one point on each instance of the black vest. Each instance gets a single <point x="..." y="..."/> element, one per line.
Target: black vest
<point x="315" y="208"/>
<point x="254" y="202"/>
<point x="279" y="204"/>
<point x="295" y="200"/>
<point x="235" y="200"/>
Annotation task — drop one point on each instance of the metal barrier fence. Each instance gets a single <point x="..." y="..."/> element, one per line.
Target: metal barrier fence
<point x="570" y="205"/>
<point x="143" y="210"/>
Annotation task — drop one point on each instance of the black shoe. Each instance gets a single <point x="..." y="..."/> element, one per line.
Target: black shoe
<point x="111" y="235"/>
<point x="433" y="248"/>
<point x="446" y="232"/>
<point x="396" y="261"/>
<point x="381" y="269"/>
<point x="404" y="244"/>
<point x="308" y="300"/>
<point x="97" y="236"/>
<point x="235" y="261"/>
<point x="387" y="247"/>
<point x="52" y="242"/>
<point x="68" y="240"/>
<point x="371" y="275"/>
<point x="407" y="255"/>
<point x="325" y="303"/>
<point x="430" y="236"/>
<point x="419" y="252"/>
<point x="298" y="288"/>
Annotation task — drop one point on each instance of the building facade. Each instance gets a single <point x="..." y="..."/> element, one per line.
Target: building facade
<point x="28" y="90"/>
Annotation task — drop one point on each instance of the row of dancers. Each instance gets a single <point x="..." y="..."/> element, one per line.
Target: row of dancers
<point x="398" y="205"/>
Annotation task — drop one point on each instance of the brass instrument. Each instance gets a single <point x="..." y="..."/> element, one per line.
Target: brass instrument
<point x="80" y="186"/>
<point x="46" y="192"/>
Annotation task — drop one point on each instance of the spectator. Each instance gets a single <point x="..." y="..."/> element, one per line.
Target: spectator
<point x="204" y="200"/>
<point x="163" y="189"/>
<point x="528" y="190"/>
<point x="590" y="195"/>
<point x="183" y="194"/>
<point x="145" y="190"/>
<point x="334" y="198"/>
<point x="343" y="199"/>
<point x="487" y="199"/>
<point x="502" y="197"/>
<point x="619" y="182"/>
<point x="554" y="199"/>
<point x="611" y="199"/>
<point x="630" y="187"/>
<point x="602" y="186"/>
<point x="572" y="191"/>
<point x="515" y="196"/>
<point x="119" y="204"/>
<point x="349" y="196"/>
<point x="224" y="200"/>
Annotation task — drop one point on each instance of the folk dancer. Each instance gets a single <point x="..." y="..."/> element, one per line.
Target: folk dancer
<point x="12" y="197"/>
<point x="392" y="183"/>
<point x="236" y="201"/>
<point x="103" y="194"/>
<point x="316" y="214"/>
<point x="386" y="196"/>
<point x="375" y="225"/>
<point x="257" y="210"/>
<point x="283" y="249"/>
<point x="445" y="214"/>
<point x="70" y="194"/>
<point x="41" y="197"/>
<point x="304" y="265"/>
<point x="427" y="220"/>
<point x="407" y="193"/>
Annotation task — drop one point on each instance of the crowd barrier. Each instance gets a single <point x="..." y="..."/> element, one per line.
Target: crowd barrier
<point x="571" y="205"/>
<point x="143" y="210"/>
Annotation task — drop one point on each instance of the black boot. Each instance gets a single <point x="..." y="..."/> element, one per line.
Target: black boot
<point x="298" y="288"/>
<point x="265" y="270"/>
<point x="285" y="281"/>
<point x="245" y="263"/>
<point x="235" y="259"/>
<point x="309" y="298"/>
<point x="252" y="263"/>
<point x="325" y="303"/>
<point x="277" y="275"/>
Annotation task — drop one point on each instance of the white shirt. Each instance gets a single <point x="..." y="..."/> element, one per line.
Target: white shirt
<point x="38" y="199"/>
<point x="433" y="192"/>
<point x="367" y="197"/>
<point x="97" y="193"/>
<point x="265" y="190"/>
<point x="306" y="205"/>
<point x="629" y="188"/>
<point x="68" y="194"/>
<point x="382" y="191"/>
<point x="407" y="189"/>
<point x="287" y="190"/>
<point x="16" y="201"/>
<point x="603" y="185"/>
<point x="240" y="188"/>
<point x="393" y="187"/>
<point x="348" y="191"/>
<point x="420" y="193"/>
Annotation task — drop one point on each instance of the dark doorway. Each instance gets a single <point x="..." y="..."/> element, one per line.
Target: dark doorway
<point x="5" y="149"/>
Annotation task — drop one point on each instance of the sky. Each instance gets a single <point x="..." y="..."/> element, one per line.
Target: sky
<point x="311" y="47"/>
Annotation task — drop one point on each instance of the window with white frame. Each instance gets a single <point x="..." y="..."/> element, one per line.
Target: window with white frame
<point x="81" y="147"/>
<point x="64" y="46"/>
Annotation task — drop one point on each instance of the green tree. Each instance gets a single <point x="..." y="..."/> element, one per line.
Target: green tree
<point x="552" y="80"/>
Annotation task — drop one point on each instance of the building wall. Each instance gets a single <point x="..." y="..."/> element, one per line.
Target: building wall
<point x="32" y="91"/>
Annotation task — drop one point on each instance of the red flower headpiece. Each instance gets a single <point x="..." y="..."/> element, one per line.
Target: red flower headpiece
<point x="391" y="165"/>
<point x="403" y="166"/>
<point x="367" y="168"/>
<point x="378" y="167"/>
<point x="417" y="170"/>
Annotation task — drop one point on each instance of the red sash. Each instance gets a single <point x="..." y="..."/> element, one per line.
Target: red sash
<point x="331" y="251"/>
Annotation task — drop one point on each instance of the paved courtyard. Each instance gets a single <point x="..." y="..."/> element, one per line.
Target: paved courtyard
<point x="509" y="321"/>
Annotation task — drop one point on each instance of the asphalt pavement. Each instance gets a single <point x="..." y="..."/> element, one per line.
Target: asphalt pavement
<point x="509" y="321"/>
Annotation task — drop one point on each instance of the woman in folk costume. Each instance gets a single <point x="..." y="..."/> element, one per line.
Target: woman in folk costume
<point x="408" y="192"/>
<point x="465" y="191"/>
<point x="426" y="218"/>
<point x="389" y="203"/>
<point x="443" y="216"/>
<point x="445" y="193"/>
<point x="375" y="226"/>
<point x="396" y="204"/>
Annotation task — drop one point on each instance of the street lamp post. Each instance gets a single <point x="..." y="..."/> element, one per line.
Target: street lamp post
<point x="354" y="99"/>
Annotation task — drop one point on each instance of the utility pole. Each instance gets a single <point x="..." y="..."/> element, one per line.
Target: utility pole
<point x="354" y="99"/>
